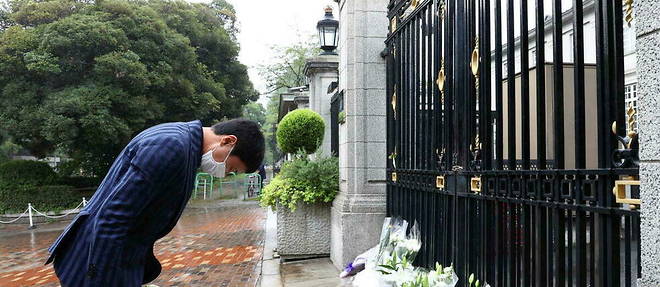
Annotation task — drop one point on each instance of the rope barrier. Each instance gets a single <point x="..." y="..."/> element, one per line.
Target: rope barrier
<point x="29" y="210"/>
<point x="58" y="216"/>
<point x="17" y="218"/>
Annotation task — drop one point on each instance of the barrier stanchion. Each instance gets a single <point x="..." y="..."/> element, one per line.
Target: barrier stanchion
<point x="84" y="202"/>
<point x="32" y="226"/>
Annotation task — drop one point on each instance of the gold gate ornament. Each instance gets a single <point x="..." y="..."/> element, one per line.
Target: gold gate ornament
<point x="619" y="191"/>
<point x="475" y="184"/>
<point x="440" y="182"/>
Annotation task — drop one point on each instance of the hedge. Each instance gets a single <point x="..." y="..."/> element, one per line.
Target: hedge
<point x="79" y="181"/>
<point x="14" y="198"/>
<point x="300" y="130"/>
<point x="27" y="172"/>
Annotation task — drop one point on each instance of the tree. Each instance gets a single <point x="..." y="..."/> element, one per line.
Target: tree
<point x="7" y="147"/>
<point x="288" y="69"/>
<point x="256" y="112"/>
<point x="273" y="152"/>
<point x="85" y="77"/>
<point x="286" y="72"/>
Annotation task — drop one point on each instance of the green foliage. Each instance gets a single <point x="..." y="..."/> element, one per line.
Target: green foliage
<point x="15" y="197"/>
<point x="256" y="112"/>
<point x="79" y="181"/>
<point x="27" y="172"/>
<point x="273" y="152"/>
<point x="287" y="71"/>
<point x="84" y="77"/>
<point x="301" y="129"/>
<point x="7" y="149"/>
<point x="341" y="118"/>
<point x="303" y="180"/>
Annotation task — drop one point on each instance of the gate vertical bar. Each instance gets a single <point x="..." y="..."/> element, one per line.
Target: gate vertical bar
<point x="580" y="140"/>
<point x="499" y="137"/>
<point x="541" y="248"/>
<point x="525" y="126"/>
<point x="614" y="226"/>
<point x="511" y="86"/>
<point x="511" y="225"/>
<point x="558" y="111"/>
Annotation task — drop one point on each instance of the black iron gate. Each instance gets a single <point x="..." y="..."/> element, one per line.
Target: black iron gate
<point x="522" y="179"/>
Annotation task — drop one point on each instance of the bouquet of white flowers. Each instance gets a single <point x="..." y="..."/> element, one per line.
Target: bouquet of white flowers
<point x="390" y="263"/>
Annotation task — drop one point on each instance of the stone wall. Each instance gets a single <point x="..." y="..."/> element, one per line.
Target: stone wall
<point x="359" y="209"/>
<point x="648" y="50"/>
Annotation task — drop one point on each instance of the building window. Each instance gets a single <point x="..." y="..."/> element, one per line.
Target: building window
<point x="631" y="100"/>
<point x="629" y="40"/>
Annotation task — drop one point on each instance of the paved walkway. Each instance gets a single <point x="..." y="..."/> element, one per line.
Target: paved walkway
<point x="214" y="244"/>
<point x="312" y="272"/>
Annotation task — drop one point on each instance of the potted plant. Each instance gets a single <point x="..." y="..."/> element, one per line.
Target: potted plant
<point x="303" y="190"/>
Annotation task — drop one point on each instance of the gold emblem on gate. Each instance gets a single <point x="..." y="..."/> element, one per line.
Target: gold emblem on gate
<point x="441" y="81"/>
<point x="394" y="177"/>
<point x="474" y="61"/>
<point x="394" y="102"/>
<point x="441" y="77"/>
<point x="474" y="64"/>
<point x="440" y="182"/>
<point x="475" y="184"/>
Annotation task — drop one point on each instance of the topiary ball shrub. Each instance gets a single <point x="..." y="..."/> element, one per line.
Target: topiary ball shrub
<point x="300" y="130"/>
<point x="27" y="172"/>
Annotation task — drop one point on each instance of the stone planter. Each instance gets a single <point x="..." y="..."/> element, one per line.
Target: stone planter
<point x="305" y="232"/>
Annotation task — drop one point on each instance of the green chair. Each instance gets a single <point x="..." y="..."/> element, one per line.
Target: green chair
<point x="203" y="182"/>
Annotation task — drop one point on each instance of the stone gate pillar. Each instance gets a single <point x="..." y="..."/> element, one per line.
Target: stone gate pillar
<point x="359" y="209"/>
<point x="648" y="69"/>
<point x="321" y="71"/>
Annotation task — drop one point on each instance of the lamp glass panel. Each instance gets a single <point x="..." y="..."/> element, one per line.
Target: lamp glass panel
<point x="330" y="34"/>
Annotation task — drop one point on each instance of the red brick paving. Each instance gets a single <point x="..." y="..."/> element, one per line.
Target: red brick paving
<point x="219" y="245"/>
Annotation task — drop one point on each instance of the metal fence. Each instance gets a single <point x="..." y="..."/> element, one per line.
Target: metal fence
<point x="242" y="186"/>
<point x="544" y="192"/>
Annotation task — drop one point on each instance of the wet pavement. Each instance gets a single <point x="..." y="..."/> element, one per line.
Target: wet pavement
<point x="218" y="243"/>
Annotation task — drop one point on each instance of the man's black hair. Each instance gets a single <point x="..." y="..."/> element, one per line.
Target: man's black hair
<point x="250" y="146"/>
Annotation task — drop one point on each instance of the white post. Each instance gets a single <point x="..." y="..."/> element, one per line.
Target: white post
<point x="84" y="202"/>
<point x="30" y="216"/>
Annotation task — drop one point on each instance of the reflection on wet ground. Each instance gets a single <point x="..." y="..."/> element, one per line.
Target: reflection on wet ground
<point x="215" y="243"/>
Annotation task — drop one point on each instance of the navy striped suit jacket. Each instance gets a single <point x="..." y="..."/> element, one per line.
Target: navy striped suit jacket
<point x="110" y="242"/>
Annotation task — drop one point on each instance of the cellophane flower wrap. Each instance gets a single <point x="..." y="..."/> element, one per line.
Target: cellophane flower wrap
<point x="390" y="262"/>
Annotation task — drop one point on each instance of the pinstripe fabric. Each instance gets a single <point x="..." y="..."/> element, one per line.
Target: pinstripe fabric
<point x="110" y="243"/>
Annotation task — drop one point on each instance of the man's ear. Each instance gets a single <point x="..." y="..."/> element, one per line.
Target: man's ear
<point x="229" y="139"/>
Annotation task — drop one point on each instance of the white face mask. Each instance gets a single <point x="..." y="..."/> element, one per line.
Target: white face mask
<point x="212" y="167"/>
